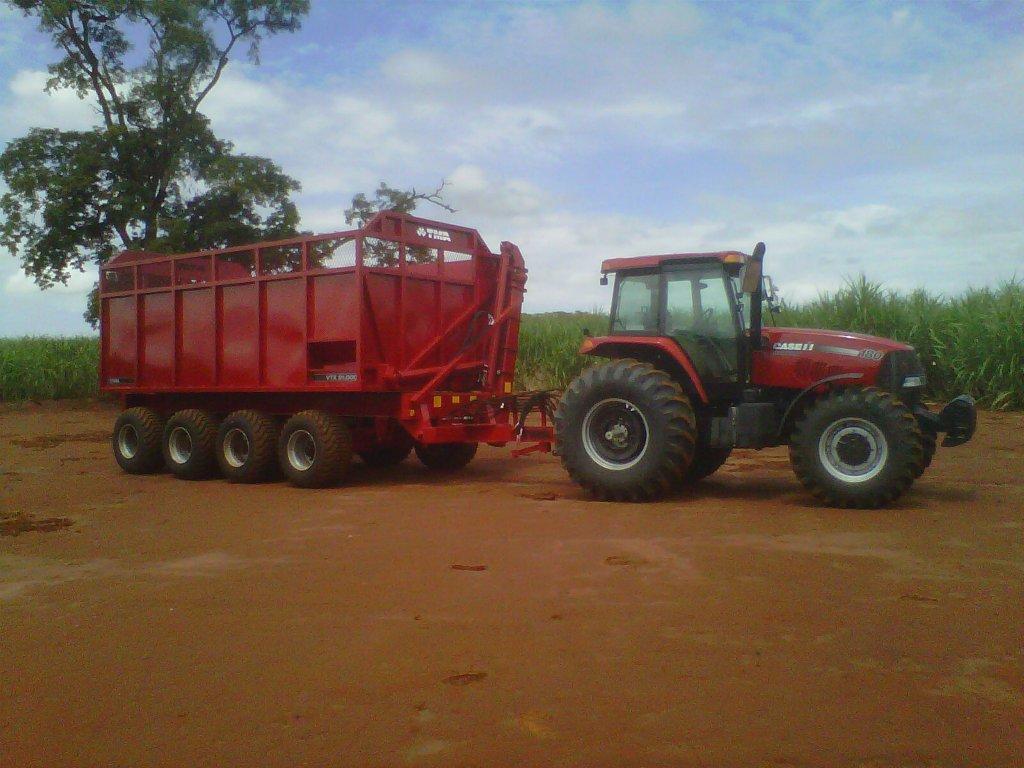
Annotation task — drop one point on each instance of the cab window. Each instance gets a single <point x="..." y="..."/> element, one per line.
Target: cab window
<point x="636" y="304"/>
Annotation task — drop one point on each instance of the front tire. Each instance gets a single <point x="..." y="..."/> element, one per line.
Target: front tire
<point x="190" y="444"/>
<point x="857" y="448"/>
<point x="137" y="441"/>
<point x="625" y="431"/>
<point x="928" y="444"/>
<point x="315" y="449"/>
<point x="246" y="446"/>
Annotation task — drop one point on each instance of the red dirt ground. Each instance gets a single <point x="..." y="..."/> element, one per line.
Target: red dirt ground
<point x="498" y="618"/>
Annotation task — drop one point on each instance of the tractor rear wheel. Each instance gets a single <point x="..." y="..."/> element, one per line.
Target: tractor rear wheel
<point x="445" y="457"/>
<point x="190" y="444"/>
<point x="857" y="448"/>
<point x="246" y="444"/>
<point x="706" y="461"/>
<point x="137" y="438"/>
<point x="315" y="449"/>
<point x="625" y="431"/>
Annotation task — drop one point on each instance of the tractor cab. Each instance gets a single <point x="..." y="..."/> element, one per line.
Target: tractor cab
<point x="703" y="302"/>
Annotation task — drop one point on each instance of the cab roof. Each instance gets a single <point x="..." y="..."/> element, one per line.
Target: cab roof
<point x="647" y="262"/>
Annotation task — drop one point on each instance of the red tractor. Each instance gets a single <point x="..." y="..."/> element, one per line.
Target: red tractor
<point x="691" y="373"/>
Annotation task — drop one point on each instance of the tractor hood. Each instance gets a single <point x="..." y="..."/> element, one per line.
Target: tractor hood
<point x="830" y="342"/>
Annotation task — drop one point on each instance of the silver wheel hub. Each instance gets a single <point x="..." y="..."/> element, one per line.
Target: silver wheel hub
<point x="301" y="449"/>
<point x="853" y="450"/>
<point x="179" y="445"/>
<point x="128" y="441"/>
<point x="615" y="434"/>
<point x="236" y="447"/>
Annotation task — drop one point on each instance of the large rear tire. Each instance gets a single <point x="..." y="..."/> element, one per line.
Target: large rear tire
<point x="625" y="431"/>
<point x="246" y="446"/>
<point x="315" y="449"/>
<point x="707" y="460"/>
<point x="190" y="444"/>
<point x="857" y="448"/>
<point x="445" y="457"/>
<point x="137" y="439"/>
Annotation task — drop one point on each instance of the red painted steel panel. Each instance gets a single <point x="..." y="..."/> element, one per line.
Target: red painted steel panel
<point x="120" y="328"/>
<point x="335" y="308"/>
<point x="284" y="329"/>
<point x="197" y="350"/>
<point x="382" y="318"/>
<point x="157" y="365"/>
<point x="421" y="318"/>
<point x="240" y="350"/>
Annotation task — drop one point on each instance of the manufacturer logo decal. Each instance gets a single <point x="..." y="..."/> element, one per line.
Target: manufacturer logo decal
<point x="871" y="354"/>
<point x="792" y="346"/>
<point x="434" y="234"/>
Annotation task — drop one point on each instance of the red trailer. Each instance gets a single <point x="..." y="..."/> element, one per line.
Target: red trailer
<point x="397" y="336"/>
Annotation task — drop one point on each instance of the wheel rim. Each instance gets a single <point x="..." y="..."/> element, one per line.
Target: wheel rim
<point x="179" y="445"/>
<point x="301" y="449"/>
<point x="128" y="441"/>
<point x="615" y="434"/>
<point x="236" y="447"/>
<point x="853" y="450"/>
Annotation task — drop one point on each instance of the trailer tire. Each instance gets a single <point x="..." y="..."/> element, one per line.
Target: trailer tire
<point x="190" y="444"/>
<point x="137" y="441"/>
<point x="858" y="448"/>
<point x="625" y="431"/>
<point x="386" y="455"/>
<point x="247" y="446"/>
<point x="445" y="457"/>
<point x="315" y="449"/>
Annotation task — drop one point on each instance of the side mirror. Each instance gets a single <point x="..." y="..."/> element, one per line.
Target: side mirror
<point x="751" y="281"/>
<point x="604" y="279"/>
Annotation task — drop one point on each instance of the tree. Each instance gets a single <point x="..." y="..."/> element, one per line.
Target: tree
<point x="387" y="198"/>
<point x="152" y="175"/>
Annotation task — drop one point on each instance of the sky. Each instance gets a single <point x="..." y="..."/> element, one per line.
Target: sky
<point x="883" y="138"/>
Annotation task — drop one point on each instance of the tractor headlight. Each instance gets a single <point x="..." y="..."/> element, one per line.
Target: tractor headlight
<point x="916" y="380"/>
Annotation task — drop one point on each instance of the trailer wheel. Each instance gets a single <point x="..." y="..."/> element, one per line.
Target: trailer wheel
<point x="190" y="444"/>
<point x="386" y="455"/>
<point x="246" y="446"/>
<point x="625" y="431"/>
<point x="928" y="444"/>
<point x="446" y="457"/>
<point x="858" y="448"/>
<point x="314" y="449"/>
<point x="137" y="441"/>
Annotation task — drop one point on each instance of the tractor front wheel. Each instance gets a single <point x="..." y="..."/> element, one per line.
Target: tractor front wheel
<point x="857" y="448"/>
<point x="625" y="431"/>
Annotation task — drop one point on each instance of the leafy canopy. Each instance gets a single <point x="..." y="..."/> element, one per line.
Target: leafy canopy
<point x="151" y="175"/>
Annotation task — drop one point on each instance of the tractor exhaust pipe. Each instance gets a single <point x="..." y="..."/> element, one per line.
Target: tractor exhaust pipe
<point x="753" y="286"/>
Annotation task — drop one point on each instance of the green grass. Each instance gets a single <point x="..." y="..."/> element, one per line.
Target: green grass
<point x="47" y="368"/>
<point x="970" y="343"/>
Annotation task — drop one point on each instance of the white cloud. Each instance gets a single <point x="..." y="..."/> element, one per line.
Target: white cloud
<point x="33" y="107"/>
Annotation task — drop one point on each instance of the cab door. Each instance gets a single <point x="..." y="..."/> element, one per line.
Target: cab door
<point x="700" y="313"/>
